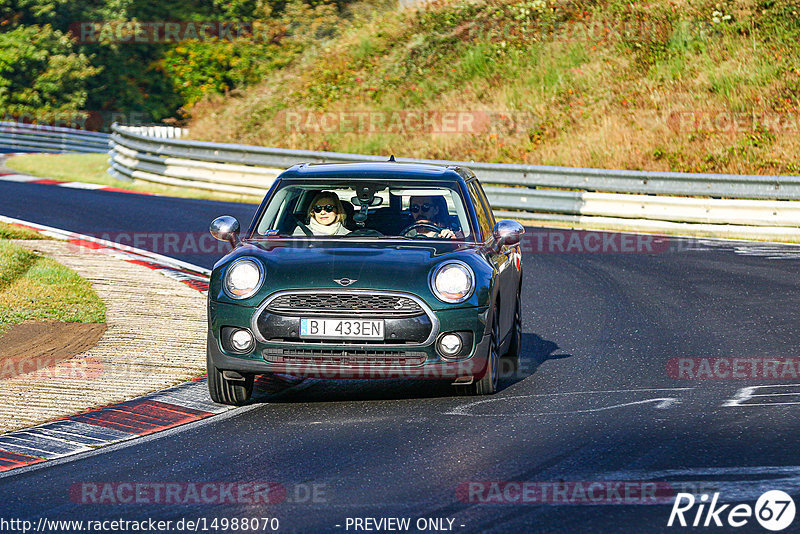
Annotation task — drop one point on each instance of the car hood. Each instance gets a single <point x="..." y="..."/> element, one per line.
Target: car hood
<point x="379" y="265"/>
<point x="395" y="265"/>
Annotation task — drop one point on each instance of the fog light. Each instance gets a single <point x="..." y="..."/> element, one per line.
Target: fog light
<point x="242" y="340"/>
<point x="450" y="344"/>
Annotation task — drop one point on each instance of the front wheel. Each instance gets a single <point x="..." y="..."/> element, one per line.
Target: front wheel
<point x="488" y="382"/>
<point x="224" y="391"/>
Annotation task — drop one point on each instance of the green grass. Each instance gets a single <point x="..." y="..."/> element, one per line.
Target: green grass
<point x="36" y="288"/>
<point x="9" y="231"/>
<point x="364" y="49"/>
<point x="476" y="62"/>
<point x="92" y="169"/>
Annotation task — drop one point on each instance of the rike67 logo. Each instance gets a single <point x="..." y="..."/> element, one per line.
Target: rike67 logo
<point x="774" y="510"/>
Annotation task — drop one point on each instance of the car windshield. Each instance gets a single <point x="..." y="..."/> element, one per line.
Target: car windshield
<point x="363" y="209"/>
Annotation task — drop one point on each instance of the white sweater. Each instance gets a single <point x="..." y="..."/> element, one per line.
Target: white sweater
<point x="322" y="230"/>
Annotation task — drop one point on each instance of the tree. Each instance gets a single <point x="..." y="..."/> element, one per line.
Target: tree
<point x="41" y="75"/>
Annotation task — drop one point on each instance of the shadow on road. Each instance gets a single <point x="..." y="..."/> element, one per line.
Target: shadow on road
<point x="535" y="351"/>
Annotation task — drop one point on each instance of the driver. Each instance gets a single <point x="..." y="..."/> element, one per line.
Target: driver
<point x="325" y="215"/>
<point x="432" y="210"/>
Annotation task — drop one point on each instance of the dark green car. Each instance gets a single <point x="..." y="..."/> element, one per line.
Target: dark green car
<point x="366" y="270"/>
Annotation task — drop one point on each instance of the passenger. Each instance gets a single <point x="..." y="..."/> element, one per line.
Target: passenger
<point x="432" y="210"/>
<point x="325" y="216"/>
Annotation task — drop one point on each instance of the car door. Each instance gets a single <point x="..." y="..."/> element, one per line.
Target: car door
<point x="501" y="260"/>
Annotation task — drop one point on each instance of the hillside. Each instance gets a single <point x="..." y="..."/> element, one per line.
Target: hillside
<point x="695" y="86"/>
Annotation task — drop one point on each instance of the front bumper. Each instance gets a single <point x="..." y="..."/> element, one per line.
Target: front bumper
<point x="350" y="360"/>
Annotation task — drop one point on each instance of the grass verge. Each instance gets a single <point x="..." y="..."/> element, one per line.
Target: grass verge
<point x="91" y="168"/>
<point x="36" y="288"/>
<point x="9" y="231"/>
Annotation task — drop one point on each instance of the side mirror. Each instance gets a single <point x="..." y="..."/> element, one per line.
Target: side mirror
<point x="507" y="233"/>
<point x="226" y="228"/>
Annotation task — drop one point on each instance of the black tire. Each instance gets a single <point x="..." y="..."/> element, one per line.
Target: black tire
<point x="515" y="345"/>
<point x="487" y="384"/>
<point x="224" y="391"/>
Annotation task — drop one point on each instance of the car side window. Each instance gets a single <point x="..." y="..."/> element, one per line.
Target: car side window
<point x="480" y="210"/>
<point x="489" y="212"/>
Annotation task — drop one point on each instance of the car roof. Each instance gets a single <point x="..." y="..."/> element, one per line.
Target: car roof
<point x="366" y="170"/>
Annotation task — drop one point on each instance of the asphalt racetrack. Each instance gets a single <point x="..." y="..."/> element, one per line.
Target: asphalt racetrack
<point x="660" y="369"/>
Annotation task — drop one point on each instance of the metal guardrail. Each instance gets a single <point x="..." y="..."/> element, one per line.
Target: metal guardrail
<point x="522" y="191"/>
<point x="732" y="205"/>
<point x="533" y="176"/>
<point x="159" y="156"/>
<point x="20" y="137"/>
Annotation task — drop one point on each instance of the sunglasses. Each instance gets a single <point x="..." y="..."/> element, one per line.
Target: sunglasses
<point x="425" y="208"/>
<point x="327" y="207"/>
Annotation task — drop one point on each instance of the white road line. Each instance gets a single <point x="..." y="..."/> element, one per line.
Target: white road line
<point x="38" y="442"/>
<point x="598" y="391"/>
<point x="765" y="404"/>
<point x="662" y="402"/>
<point x="104" y="434"/>
<point x="68" y="437"/>
<point x="82" y="185"/>
<point x="747" y="393"/>
<point x="18" y="178"/>
<point x="29" y="451"/>
<point x="768" y="250"/>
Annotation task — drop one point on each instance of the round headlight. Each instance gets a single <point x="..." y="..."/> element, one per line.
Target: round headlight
<point x="453" y="282"/>
<point x="243" y="278"/>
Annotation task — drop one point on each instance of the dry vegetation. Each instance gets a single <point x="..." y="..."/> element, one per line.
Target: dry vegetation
<point x="682" y="85"/>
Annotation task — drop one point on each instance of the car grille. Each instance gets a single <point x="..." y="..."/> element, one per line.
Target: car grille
<point x="346" y="303"/>
<point x="344" y="357"/>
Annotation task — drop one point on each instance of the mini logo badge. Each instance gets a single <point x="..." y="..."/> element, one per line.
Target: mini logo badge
<point x="345" y="281"/>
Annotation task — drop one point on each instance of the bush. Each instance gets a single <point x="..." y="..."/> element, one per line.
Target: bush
<point x="199" y="68"/>
<point x="40" y="73"/>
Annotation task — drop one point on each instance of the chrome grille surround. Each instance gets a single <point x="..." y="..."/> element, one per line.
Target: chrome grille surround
<point x="358" y="292"/>
<point x="336" y="302"/>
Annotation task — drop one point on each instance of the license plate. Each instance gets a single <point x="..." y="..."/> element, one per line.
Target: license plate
<point x="341" y="328"/>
